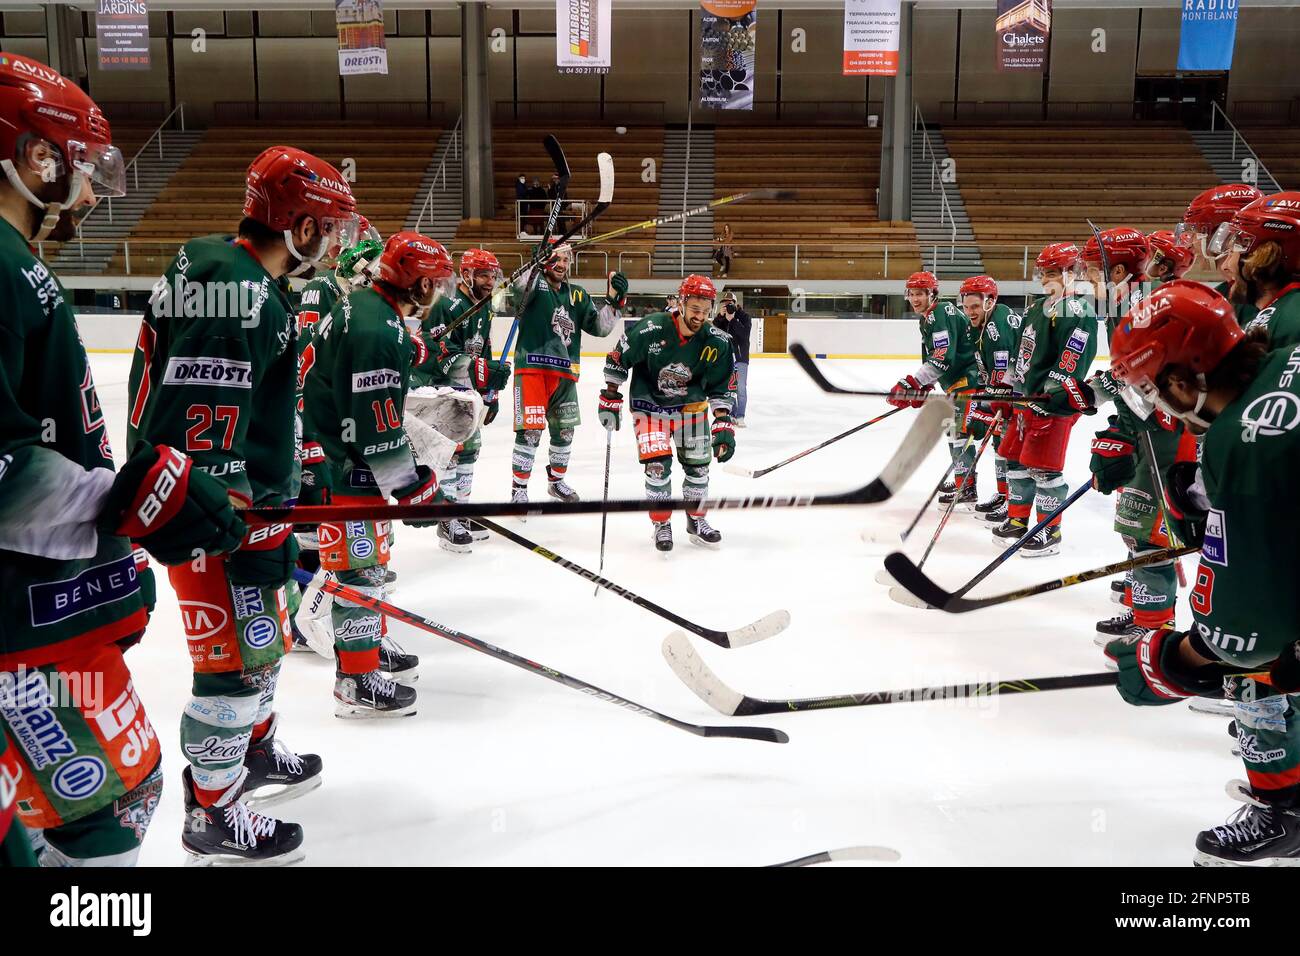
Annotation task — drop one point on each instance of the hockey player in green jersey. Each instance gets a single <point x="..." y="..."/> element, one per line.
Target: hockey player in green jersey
<point x="1183" y="351"/>
<point x="996" y="331"/>
<point x="553" y="314"/>
<point x="1207" y="211"/>
<point x="355" y="404"/>
<point x="1258" y="246"/>
<point x="948" y="359"/>
<point x="462" y="358"/>
<point x="682" y="390"/>
<point x="215" y="373"/>
<point x="83" y="767"/>
<point x="1170" y="259"/>
<point x="1058" y="341"/>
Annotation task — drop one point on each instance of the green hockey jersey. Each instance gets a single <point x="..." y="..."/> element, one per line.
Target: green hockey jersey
<point x="947" y="349"/>
<point x="1281" y="317"/>
<point x="64" y="586"/>
<point x="1058" y="341"/>
<point x="996" y="344"/>
<point x="1246" y="603"/>
<point x="354" y="393"/>
<point x="450" y="355"/>
<point x="552" y="323"/>
<point x="1246" y="311"/>
<point x="215" y="370"/>
<point x="671" y="373"/>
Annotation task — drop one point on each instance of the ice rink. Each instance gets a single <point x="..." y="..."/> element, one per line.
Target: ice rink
<point x="502" y="767"/>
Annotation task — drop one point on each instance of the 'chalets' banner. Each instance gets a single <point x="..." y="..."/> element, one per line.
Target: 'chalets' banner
<point x="1208" y="33"/>
<point x="871" y="37"/>
<point x="582" y="35"/>
<point x="122" y="34"/>
<point x="1024" y="29"/>
<point x="361" y="37"/>
<point x="728" y="36"/>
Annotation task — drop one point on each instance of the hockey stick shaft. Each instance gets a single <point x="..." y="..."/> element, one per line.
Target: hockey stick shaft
<point x="806" y="362"/>
<point x="1158" y="482"/>
<point x="604" y="515"/>
<point x="952" y="505"/>
<point x="354" y="596"/>
<point x="830" y="441"/>
<point x="698" y="210"/>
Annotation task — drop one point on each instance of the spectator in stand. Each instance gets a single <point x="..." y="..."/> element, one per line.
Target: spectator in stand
<point x="736" y="322"/>
<point x="535" y="207"/>
<point x="722" y="251"/>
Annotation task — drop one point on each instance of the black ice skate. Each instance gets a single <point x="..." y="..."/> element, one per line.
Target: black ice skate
<point x="396" y="663"/>
<point x="230" y="834"/>
<point x="519" y="496"/>
<point x="1117" y="589"/>
<point x="663" y="535"/>
<point x="997" y="503"/>
<point x="453" y="536"/>
<point x="1255" y="835"/>
<point x="999" y="514"/>
<point x="275" y="773"/>
<point x="1121" y="625"/>
<point x="1046" y="541"/>
<point x="1009" y="532"/>
<point x="559" y="488"/>
<point x="967" y="498"/>
<point x="363" y="696"/>
<point x="700" y="532"/>
<point x="948" y="486"/>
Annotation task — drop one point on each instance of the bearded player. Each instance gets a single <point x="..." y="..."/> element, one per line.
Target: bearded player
<point x="1259" y="250"/>
<point x="1206" y="212"/>
<point x="683" y="386"/>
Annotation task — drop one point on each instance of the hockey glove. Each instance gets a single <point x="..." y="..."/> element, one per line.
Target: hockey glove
<point x="264" y="566"/>
<point x="899" y="398"/>
<point x="171" y="508"/>
<point x="423" y="491"/>
<point x="1114" y="459"/>
<point x="724" y="437"/>
<point x="419" y="350"/>
<point x="1151" y="674"/>
<point x="1186" y="504"/>
<point x="1070" y="397"/>
<point x="617" y="291"/>
<point x="489" y="375"/>
<point x="493" y="407"/>
<point x="610" y="409"/>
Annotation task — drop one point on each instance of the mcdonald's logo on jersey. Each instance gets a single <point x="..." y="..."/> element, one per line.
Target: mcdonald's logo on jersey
<point x="709" y="354"/>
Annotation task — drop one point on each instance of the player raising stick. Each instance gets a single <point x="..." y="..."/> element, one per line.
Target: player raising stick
<point x="682" y="390"/>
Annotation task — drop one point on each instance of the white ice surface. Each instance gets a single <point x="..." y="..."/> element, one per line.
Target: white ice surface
<point x="504" y="767"/>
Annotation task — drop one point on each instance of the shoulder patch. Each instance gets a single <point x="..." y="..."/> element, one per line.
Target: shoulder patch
<point x="1078" y="340"/>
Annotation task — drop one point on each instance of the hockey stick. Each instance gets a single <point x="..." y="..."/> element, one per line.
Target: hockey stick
<point x="937" y="488"/>
<point x="747" y="473"/>
<point x="777" y="194"/>
<point x="916" y="445"/>
<point x="800" y="355"/>
<point x="695" y="674"/>
<point x="556" y="152"/>
<point x="354" y="596"/>
<point x="952" y="505"/>
<point x="913" y="587"/>
<point x="916" y="581"/>
<point x="765" y="627"/>
<point x="878" y="854"/>
<point x="604" y="515"/>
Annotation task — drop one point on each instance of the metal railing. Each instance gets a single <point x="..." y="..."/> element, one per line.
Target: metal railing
<point x="133" y="164"/>
<point x="1216" y="112"/>
<point x="936" y="178"/>
<point x="427" y="206"/>
<point x="531" y="216"/>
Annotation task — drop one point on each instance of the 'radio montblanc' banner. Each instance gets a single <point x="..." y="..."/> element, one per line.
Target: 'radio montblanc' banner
<point x="728" y="36"/>
<point x="361" y="37"/>
<point x="871" y="37"/>
<point x="582" y="35"/>
<point x="1024" y="29"/>
<point x="1209" y="31"/>
<point x="122" y="34"/>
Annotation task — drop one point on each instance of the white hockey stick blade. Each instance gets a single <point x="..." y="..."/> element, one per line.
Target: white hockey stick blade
<point x="695" y="674"/>
<point x="880" y="854"/>
<point x="1212" y="707"/>
<point x="921" y="438"/>
<point x="885" y="579"/>
<point x="907" y="598"/>
<point x="605" y="165"/>
<point x="733" y="469"/>
<point x="765" y="627"/>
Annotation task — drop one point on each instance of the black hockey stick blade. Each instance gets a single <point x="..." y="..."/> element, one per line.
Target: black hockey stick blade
<point x="556" y="152"/>
<point x="767" y="734"/>
<point x="695" y="674"/>
<point x="806" y="362"/>
<point x="876" y="854"/>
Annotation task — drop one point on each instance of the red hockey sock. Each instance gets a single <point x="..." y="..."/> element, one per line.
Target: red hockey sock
<point x="1151" y="620"/>
<point x="1020" y="512"/>
<point x="359" y="662"/>
<point x="1002" y="487"/>
<point x="260" y="730"/>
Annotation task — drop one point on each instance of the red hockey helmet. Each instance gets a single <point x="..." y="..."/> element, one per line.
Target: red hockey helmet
<point x="1212" y="208"/>
<point x="1180" y="323"/>
<point x="409" y="257"/>
<point x="922" y="280"/>
<point x="1124" y="245"/>
<point x="979" y="285"/>
<point x="1058" y="255"/>
<point x="478" y="260"/>
<point x="38" y="104"/>
<point x="701" y="287"/>
<point x="1274" y="218"/>
<point x="1165" y="246"/>
<point x="284" y="184"/>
